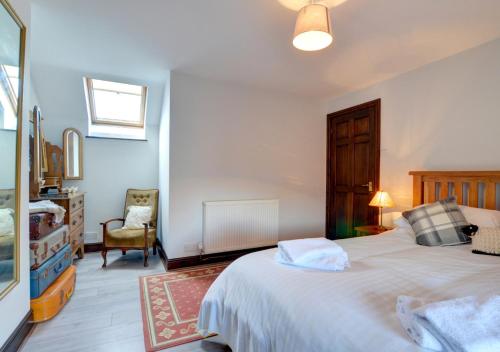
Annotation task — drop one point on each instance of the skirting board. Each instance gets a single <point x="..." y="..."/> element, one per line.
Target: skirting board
<point x="177" y="263"/>
<point x="93" y="247"/>
<point x="97" y="247"/>
<point x="17" y="337"/>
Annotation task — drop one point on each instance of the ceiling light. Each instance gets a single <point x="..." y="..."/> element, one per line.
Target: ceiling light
<point x="313" y="30"/>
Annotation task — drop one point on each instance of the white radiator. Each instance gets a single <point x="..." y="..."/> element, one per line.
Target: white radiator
<point x="234" y="225"/>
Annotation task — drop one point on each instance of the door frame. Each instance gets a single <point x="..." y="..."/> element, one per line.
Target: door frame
<point x="376" y="104"/>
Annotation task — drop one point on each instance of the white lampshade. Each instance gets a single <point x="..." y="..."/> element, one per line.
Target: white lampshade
<point x="312" y="29"/>
<point x="381" y="200"/>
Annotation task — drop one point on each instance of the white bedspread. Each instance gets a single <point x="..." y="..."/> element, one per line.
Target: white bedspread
<point x="258" y="305"/>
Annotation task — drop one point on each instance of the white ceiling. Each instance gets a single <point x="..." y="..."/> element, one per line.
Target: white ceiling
<point x="249" y="41"/>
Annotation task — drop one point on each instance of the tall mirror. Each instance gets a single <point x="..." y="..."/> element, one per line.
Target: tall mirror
<point x="73" y="154"/>
<point x="12" y="40"/>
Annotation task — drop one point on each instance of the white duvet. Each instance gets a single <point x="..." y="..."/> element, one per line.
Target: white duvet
<point x="259" y="305"/>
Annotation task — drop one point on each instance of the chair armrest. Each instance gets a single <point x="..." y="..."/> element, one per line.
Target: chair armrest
<point x="105" y="229"/>
<point x="107" y="222"/>
<point x="146" y="230"/>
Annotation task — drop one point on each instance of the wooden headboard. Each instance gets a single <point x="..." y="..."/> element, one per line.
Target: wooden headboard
<point x="473" y="188"/>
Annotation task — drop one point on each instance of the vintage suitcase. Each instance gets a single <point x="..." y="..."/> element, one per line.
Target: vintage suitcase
<point x="42" y="224"/>
<point x="43" y="249"/>
<point x="55" y="297"/>
<point x="43" y="277"/>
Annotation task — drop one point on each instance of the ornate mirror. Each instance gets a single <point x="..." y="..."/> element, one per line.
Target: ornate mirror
<point x="12" y="41"/>
<point x="73" y="154"/>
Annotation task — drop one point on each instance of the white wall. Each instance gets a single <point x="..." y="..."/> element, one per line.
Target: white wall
<point x="16" y="304"/>
<point x="164" y="161"/>
<point x="443" y="116"/>
<point x="229" y="142"/>
<point x="110" y="166"/>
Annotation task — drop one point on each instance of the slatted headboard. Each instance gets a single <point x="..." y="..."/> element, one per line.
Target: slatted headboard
<point x="479" y="189"/>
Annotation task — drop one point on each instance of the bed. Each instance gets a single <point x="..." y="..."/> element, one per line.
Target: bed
<point x="258" y="305"/>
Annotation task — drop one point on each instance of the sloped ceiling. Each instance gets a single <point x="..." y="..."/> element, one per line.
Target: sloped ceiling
<point x="249" y="42"/>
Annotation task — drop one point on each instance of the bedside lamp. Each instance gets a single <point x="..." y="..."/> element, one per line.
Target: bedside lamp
<point x="381" y="200"/>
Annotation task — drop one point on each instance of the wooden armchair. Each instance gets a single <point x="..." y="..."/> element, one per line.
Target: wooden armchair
<point x="126" y="239"/>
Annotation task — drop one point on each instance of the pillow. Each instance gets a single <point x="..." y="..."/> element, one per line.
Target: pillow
<point x="486" y="241"/>
<point x="401" y="222"/>
<point x="136" y="217"/>
<point x="438" y="224"/>
<point x="481" y="217"/>
<point x="6" y="222"/>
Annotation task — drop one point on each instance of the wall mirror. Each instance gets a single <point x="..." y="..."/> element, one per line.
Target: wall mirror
<point x="12" y="41"/>
<point x="73" y="154"/>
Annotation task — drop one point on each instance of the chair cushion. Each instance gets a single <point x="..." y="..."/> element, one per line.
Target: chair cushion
<point x="143" y="197"/>
<point x="137" y="216"/>
<point x="129" y="238"/>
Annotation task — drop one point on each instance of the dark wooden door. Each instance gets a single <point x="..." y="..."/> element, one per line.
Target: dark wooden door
<point x="353" y="167"/>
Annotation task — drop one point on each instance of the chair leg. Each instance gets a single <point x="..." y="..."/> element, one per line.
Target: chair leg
<point x="104" y="253"/>
<point x="146" y="255"/>
<point x="124" y="252"/>
<point x="154" y="248"/>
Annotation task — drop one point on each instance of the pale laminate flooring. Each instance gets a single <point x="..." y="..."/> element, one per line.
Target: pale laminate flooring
<point x="104" y="314"/>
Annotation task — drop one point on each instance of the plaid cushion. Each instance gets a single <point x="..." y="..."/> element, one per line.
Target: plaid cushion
<point x="438" y="224"/>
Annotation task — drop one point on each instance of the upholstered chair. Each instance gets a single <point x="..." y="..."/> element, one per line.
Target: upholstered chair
<point x="126" y="239"/>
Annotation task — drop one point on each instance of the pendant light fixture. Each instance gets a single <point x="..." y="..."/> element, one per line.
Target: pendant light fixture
<point x="313" y="30"/>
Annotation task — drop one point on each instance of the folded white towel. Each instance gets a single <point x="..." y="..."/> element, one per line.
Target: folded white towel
<point x="314" y="253"/>
<point x="405" y="308"/>
<point x="466" y="324"/>
<point x="47" y="206"/>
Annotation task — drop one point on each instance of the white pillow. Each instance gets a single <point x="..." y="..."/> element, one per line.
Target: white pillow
<point x="481" y="217"/>
<point x="137" y="216"/>
<point x="6" y="222"/>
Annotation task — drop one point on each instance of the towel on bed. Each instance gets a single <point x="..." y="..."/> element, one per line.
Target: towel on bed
<point x="47" y="206"/>
<point x="466" y="324"/>
<point x="313" y="253"/>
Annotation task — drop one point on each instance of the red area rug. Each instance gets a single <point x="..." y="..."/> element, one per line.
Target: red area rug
<point x="170" y="304"/>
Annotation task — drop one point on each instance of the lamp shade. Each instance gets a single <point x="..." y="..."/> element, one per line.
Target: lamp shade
<point x="381" y="200"/>
<point x="312" y="29"/>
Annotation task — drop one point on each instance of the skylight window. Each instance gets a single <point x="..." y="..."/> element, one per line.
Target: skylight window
<point x="116" y="110"/>
<point x="9" y="90"/>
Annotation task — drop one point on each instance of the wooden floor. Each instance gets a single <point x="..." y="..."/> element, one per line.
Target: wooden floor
<point x="104" y="313"/>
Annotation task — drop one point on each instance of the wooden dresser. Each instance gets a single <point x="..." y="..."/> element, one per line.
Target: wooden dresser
<point x="74" y="204"/>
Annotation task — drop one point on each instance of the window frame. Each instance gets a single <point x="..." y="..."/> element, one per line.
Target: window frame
<point x="112" y="122"/>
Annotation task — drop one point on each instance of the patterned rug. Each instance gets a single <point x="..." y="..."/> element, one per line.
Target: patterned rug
<point x="170" y="304"/>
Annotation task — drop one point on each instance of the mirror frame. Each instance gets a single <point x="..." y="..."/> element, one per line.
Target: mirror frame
<point x="10" y="10"/>
<point x="80" y="153"/>
<point x="37" y="159"/>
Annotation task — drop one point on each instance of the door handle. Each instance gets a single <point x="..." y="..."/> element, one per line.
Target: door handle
<point x="369" y="185"/>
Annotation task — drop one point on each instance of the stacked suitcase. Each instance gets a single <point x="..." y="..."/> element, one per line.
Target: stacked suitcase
<point x="52" y="277"/>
